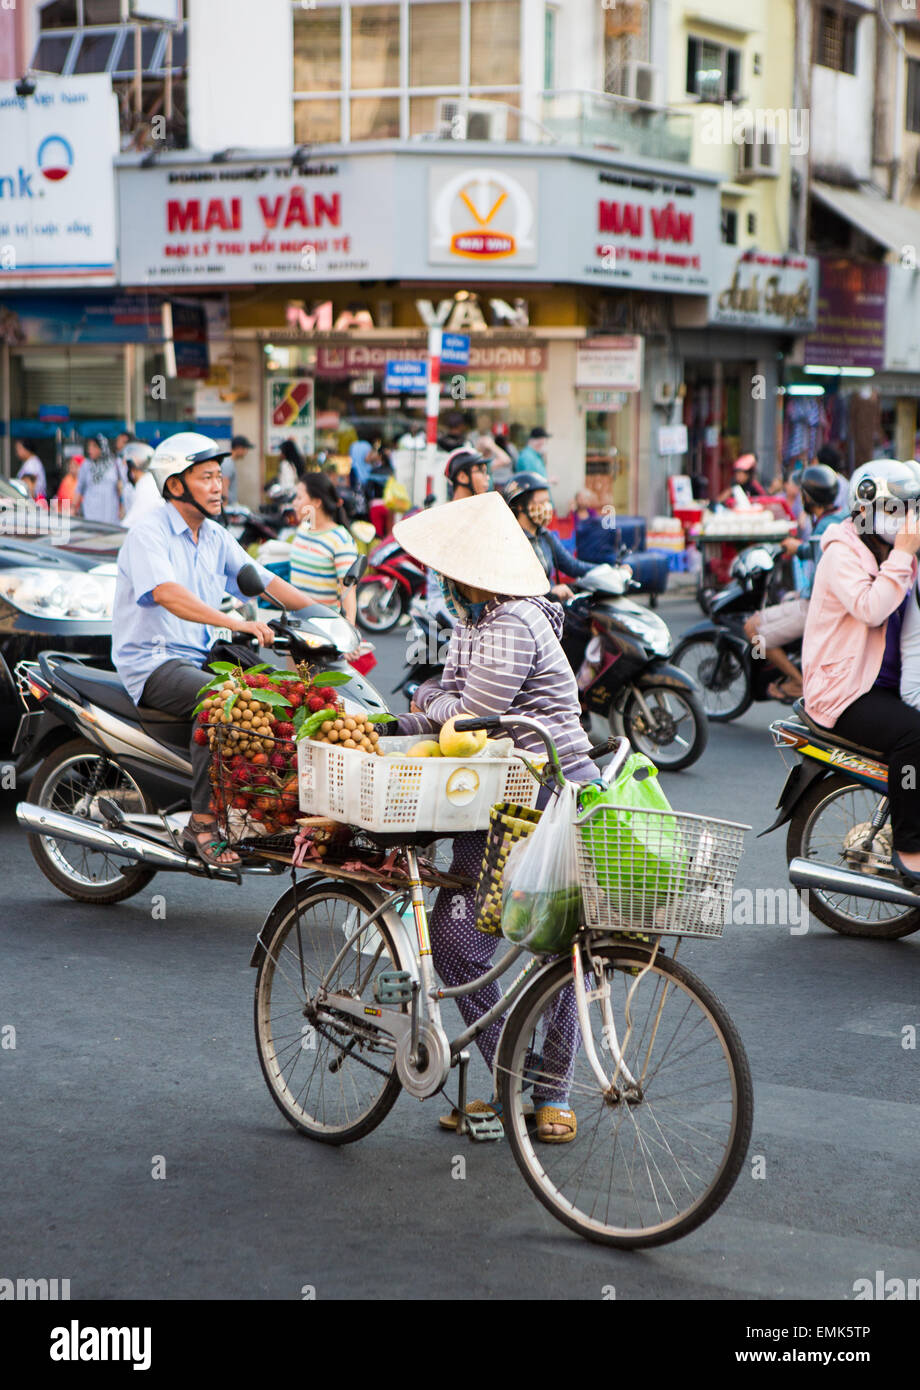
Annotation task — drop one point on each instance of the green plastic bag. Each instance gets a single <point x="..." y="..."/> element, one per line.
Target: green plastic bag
<point x="541" y="896"/>
<point x="636" y="856"/>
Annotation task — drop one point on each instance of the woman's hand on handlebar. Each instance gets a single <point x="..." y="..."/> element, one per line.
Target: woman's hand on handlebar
<point x="261" y="631"/>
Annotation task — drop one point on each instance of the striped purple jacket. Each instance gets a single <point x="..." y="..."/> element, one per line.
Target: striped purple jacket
<point x="510" y="662"/>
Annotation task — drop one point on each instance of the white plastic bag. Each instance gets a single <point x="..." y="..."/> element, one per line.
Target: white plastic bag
<point x="541" y="897"/>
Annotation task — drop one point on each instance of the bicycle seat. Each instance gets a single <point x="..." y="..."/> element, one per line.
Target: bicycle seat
<point x="832" y="735"/>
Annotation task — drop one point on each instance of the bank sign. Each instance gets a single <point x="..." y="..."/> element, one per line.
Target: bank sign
<point x="57" y="183"/>
<point x="755" y="289"/>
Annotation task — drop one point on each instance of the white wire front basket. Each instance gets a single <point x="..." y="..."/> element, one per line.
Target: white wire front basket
<point x="657" y="871"/>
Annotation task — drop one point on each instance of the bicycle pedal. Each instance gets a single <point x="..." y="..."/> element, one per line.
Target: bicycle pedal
<point x="484" y="1129"/>
<point x="393" y="987"/>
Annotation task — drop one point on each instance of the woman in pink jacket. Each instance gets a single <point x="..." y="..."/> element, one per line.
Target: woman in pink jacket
<point x="851" y="649"/>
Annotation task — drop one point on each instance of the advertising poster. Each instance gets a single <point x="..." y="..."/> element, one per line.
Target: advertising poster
<point x="290" y="414"/>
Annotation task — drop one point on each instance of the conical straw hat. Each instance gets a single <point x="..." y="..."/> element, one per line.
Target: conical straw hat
<point x="477" y="541"/>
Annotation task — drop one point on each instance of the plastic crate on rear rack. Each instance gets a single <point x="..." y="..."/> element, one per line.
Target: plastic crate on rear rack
<point x="389" y="794"/>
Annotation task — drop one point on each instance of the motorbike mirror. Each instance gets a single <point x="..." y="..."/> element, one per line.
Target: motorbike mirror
<point x="355" y="572"/>
<point x="430" y="500"/>
<point x="249" y="582"/>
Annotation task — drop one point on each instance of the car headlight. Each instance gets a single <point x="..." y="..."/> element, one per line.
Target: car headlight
<point x="70" y="594"/>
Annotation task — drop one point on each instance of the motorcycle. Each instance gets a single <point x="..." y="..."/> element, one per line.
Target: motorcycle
<point x="114" y="779"/>
<point x="385" y="593"/>
<point x="839" y="843"/>
<point x="717" y="653"/>
<point x="624" y="673"/>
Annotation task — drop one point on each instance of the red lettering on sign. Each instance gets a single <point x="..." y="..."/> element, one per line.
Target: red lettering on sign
<point x="625" y="219"/>
<point x="185" y="218"/>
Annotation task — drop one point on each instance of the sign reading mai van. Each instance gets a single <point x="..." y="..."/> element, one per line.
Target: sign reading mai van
<point x="197" y="222"/>
<point x="57" y="186"/>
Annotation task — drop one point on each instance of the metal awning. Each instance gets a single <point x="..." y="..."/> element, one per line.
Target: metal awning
<point x="889" y="223"/>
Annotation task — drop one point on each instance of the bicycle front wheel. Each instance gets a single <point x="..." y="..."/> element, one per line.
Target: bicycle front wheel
<point x="657" y="1152"/>
<point x="332" y="1076"/>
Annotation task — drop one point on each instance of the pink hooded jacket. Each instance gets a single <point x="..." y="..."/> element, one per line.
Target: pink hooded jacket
<point x="852" y="599"/>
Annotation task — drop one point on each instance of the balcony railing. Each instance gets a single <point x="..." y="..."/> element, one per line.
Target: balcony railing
<point x="618" y="123"/>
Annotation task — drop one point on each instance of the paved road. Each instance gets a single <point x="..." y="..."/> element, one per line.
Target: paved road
<point x="134" y="1044"/>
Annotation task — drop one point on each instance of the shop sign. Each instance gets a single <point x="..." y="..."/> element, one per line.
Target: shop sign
<point x="200" y="222"/>
<point x="651" y="234"/>
<point x="53" y="414"/>
<point x="760" y="290"/>
<point x="57" y="188"/>
<point x="851" y="315"/>
<point x="482" y="214"/>
<point x="290" y="414"/>
<point x="463" y="311"/>
<point x="345" y="362"/>
<point x="108" y="318"/>
<point x="611" y="363"/>
<point x="672" y="439"/>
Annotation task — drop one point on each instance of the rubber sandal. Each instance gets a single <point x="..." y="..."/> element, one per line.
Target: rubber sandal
<point x="553" y="1115"/>
<point x="475" y="1107"/>
<point x="777" y="691"/>
<point x="210" y="850"/>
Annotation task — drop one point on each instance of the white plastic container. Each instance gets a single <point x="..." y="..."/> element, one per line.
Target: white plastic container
<point x="389" y="794"/>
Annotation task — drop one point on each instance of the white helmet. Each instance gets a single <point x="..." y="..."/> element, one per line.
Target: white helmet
<point x="881" y="479"/>
<point x="137" y="455"/>
<point x="182" y="451"/>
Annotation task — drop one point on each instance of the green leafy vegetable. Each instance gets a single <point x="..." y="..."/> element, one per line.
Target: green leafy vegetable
<point x="379" y="718"/>
<point x="308" y="727"/>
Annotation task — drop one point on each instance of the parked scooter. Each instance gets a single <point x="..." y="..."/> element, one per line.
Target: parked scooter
<point x="717" y="652"/>
<point x="114" y="780"/>
<point x="386" y="591"/>
<point x="620" y="650"/>
<point x="838" y="846"/>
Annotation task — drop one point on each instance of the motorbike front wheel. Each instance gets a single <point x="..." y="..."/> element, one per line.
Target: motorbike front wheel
<point x="675" y="735"/>
<point x="71" y="780"/>
<point x="831" y="824"/>
<point x="725" y="679"/>
<point x="379" y="606"/>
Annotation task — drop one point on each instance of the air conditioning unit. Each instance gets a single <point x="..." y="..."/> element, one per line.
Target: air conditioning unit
<point x="641" y="82"/>
<point x="758" y="160"/>
<point x="458" y="119"/>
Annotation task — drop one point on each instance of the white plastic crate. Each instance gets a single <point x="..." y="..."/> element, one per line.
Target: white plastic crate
<point x="392" y="794"/>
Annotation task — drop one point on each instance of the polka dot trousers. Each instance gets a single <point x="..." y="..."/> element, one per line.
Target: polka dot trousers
<point x="460" y="953"/>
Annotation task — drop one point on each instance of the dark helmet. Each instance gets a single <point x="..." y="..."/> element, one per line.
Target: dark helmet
<point x="819" y="484"/>
<point x="521" y="488"/>
<point x="461" y="461"/>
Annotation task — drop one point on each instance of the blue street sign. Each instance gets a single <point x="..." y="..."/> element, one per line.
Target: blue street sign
<point x="405" y="376"/>
<point x="455" y="350"/>
<point x="50" y="413"/>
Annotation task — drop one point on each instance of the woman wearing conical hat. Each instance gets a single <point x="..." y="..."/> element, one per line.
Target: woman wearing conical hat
<point x="504" y="658"/>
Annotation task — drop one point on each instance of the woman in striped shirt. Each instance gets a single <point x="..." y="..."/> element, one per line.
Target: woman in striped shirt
<point x="504" y="658"/>
<point x="323" y="549"/>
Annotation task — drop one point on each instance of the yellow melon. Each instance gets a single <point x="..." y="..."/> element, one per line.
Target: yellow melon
<point x="428" y="748"/>
<point x="460" y="745"/>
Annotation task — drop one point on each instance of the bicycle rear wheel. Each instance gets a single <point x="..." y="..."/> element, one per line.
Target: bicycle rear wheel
<point x="333" y="1078"/>
<point x="651" y="1162"/>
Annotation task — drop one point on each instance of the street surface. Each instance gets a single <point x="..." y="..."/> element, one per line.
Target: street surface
<point x="135" y="1054"/>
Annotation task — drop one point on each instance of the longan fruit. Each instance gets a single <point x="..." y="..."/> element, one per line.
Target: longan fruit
<point x="349" y="743"/>
<point x="351" y="723"/>
<point x="325" y="728"/>
<point x="339" y="724"/>
<point x="332" y="736"/>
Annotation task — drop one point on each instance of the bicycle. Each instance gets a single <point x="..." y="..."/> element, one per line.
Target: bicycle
<point x="347" y="1013"/>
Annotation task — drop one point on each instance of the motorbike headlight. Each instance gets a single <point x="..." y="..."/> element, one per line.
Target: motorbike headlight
<point x="72" y="594"/>
<point x="649" y="628"/>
